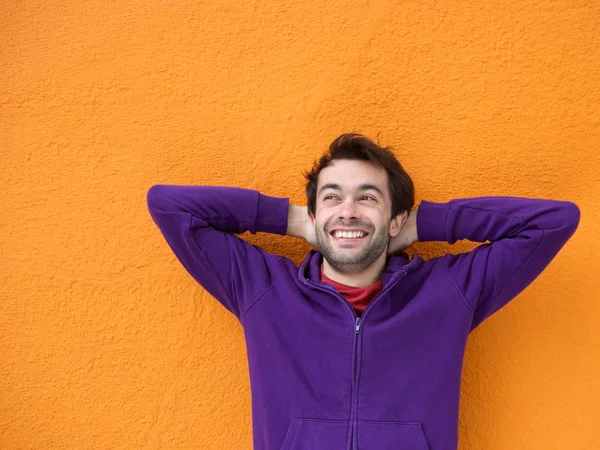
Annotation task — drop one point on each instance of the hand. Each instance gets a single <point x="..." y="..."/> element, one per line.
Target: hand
<point x="407" y="235"/>
<point x="309" y="229"/>
<point x="300" y="225"/>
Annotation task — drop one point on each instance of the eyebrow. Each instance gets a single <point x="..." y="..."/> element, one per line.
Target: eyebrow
<point x="362" y="187"/>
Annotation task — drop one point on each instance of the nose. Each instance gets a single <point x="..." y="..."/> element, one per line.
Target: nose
<point x="348" y="210"/>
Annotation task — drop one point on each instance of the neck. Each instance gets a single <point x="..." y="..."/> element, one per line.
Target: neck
<point x="361" y="279"/>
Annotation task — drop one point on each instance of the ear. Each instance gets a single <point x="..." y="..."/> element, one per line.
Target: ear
<point x="312" y="218"/>
<point x="397" y="222"/>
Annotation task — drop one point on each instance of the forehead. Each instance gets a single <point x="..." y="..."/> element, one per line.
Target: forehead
<point x="350" y="174"/>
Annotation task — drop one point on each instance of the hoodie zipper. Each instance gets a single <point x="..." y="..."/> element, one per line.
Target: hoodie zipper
<point x="355" y="383"/>
<point x="357" y="323"/>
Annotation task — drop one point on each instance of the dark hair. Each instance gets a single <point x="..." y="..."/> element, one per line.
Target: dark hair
<point x="355" y="146"/>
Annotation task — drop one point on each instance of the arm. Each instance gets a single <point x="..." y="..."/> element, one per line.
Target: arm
<point x="525" y="234"/>
<point x="199" y="225"/>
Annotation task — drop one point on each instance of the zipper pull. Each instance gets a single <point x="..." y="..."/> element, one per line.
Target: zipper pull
<point x="357" y="324"/>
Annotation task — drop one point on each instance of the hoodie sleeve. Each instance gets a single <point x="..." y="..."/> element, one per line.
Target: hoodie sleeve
<point x="525" y="234"/>
<point x="200" y="222"/>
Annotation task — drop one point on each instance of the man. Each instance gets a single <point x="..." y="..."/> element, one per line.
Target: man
<point x="360" y="347"/>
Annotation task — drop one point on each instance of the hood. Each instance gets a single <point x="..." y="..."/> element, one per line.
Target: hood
<point x="311" y="266"/>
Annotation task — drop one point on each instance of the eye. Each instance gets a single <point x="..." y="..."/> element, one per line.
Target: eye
<point x="327" y="196"/>
<point x="369" y="196"/>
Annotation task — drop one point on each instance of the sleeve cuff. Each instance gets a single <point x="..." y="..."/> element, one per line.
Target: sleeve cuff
<point x="272" y="214"/>
<point x="431" y="221"/>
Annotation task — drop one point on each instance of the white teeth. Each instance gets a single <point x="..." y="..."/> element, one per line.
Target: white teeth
<point x="350" y="234"/>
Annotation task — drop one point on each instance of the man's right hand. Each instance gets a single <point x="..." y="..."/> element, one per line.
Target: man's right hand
<point x="300" y="225"/>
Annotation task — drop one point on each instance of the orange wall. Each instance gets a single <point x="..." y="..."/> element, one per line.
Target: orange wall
<point x="106" y="341"/>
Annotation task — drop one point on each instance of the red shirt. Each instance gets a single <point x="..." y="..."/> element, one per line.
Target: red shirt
<point x="359" y="297"/>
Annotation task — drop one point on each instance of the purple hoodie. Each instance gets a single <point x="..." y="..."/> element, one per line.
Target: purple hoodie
<point x="320" y="377"/>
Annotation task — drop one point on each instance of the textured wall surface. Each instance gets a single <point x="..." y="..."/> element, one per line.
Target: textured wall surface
<point x="107" y="342"/>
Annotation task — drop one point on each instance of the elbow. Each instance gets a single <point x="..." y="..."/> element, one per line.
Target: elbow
<point x="574" y="213"/>
<point x="571" y="217"/>
<point x="155" y="197"/>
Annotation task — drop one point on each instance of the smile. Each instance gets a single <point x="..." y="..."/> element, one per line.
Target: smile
<point x="348" y="236"/>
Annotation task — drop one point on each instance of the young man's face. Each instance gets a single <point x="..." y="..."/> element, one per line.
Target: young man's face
<point x="353" y="195"/>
